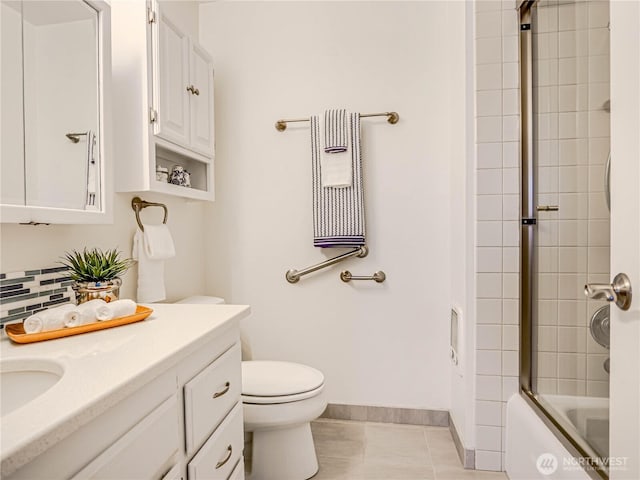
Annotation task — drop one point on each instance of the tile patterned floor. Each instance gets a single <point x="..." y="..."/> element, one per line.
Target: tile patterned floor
<point x="350" y="450"/>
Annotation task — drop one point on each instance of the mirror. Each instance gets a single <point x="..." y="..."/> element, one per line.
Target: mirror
<point x="51" y="128"/>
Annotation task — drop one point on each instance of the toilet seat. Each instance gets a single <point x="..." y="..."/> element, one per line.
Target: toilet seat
<point x="270" y="382"/>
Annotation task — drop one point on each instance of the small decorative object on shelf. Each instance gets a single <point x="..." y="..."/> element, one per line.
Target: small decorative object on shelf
<point x="179" y="176"/>
<point x="96" y="273"/>
<point x="162" y="174"/>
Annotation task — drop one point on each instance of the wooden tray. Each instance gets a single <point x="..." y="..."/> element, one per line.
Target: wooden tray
<point x="16" y="333"/>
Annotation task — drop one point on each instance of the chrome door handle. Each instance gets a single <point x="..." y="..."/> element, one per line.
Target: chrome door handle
<point x="618" y="292"/>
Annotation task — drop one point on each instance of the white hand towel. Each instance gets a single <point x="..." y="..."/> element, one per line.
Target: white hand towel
<point x="117" y="309"/>
<point x="83" y="313"/>
<point x="336" y="169"/>
<point x="150" y="272"/>
<point x="158" y="244"/>
<point x="51" y="319"/>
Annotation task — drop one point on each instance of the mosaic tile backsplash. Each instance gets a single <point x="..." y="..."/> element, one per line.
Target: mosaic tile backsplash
<point x="24" y="293"/>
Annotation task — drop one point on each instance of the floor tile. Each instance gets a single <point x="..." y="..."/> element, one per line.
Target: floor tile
<point x="352" y="450"/>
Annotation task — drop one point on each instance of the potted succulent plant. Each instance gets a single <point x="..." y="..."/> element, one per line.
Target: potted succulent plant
<point x="96" y="273"/>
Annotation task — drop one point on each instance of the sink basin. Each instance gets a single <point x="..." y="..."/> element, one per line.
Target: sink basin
<point x="21" y="381"/>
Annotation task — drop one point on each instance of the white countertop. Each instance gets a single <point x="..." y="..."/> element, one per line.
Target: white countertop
<point x="101" y="368"/>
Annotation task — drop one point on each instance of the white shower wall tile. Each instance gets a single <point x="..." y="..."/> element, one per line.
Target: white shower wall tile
<point x="498" y="229"/>
<point x="489" y="337"/>
<point x="489" y="311"/>
<point x="488" y="23"/>
<point x="510" y="312"/>
<point x="489" y="387"/>
<point x="488" y="50"/>
<point x="488" y="362"/>
<point x="489" y="234"/>
<point x="510" y="75"/>
<point x="489" y="259"/>
<point x="489" y="438"/>
<point x="489" y="155"/>
<point x="488" y="460"/>
<point x="488" y="76"/>
<point x="489" y="129"/>
<point x="489" y="413"/>
<point x="489" y="181"/>
<point x="511" y="234"/>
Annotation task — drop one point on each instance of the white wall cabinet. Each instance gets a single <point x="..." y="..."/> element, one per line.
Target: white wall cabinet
<point x="183" y="82"/>
<point x="163" y="103"/>
<point x="55" y="155"/>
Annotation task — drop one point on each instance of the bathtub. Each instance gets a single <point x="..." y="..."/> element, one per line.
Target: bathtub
<point x="534" y="452"/>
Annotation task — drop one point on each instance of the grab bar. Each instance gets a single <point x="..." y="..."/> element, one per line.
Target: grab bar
<point x="294" y="275"/>
<point x="378" y="276"/>
<point x="138" y="204"/>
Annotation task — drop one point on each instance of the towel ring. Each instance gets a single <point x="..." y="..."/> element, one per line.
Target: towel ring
<point x="138" y="204"/>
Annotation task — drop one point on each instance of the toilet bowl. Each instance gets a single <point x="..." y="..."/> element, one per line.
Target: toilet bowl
<point x="279" y="401"/>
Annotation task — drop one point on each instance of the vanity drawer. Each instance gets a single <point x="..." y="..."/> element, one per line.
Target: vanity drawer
<point x="238" y="472"/>
<point x="210" y="395"/>
<point x="220" y="454"/>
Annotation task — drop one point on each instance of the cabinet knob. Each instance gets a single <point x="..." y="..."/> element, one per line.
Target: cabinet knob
<point x="193" y="90"/>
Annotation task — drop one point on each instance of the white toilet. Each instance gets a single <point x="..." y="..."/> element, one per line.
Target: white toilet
<point x="279" y="401"/>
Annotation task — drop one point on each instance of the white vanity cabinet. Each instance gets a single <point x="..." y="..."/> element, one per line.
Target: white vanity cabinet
<point x="163" y="102"/>
<point x="185" y="423"/>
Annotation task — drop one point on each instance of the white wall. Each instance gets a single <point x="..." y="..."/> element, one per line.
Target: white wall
<point x="462" y="232"/>
<point x="377" y="344"/>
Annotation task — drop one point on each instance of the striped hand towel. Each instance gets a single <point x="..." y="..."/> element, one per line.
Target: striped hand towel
<point x="338" y="213"/>
<point x="336" y="131"/>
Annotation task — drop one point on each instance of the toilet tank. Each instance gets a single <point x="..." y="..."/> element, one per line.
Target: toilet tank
<point x="200" y="299"/>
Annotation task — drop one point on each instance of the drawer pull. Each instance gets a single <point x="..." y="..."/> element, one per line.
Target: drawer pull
<point x="223" y="391"/>
<point x="229" y="453"/>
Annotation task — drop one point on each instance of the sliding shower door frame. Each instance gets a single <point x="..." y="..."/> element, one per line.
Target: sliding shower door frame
<point x="528" y="224"/>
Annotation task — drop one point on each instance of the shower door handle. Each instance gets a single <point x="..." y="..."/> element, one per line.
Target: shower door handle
<point x="618" y="292"/>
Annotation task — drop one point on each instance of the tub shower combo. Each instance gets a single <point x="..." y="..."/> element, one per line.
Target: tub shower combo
<point x="565" y="297"/>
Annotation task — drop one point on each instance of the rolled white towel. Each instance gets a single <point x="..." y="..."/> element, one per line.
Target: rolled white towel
<point x="83" y="313"/>
<point x="50" y="319"/>
<point x="117" y="309"/>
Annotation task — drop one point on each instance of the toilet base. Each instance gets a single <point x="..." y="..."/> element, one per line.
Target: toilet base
<point x="286" y="453"/>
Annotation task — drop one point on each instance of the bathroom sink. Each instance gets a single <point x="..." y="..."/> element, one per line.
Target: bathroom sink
<point x="21" y="381"/>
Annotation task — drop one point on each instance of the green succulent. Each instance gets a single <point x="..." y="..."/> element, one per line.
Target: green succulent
<point x="94" y="265"/>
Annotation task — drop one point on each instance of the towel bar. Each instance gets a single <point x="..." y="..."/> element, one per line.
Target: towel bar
<point x="294" y="275"/>
<point x="138" y="204"/>
<point x="392" y="118"/>
<point x="379" y="276"/>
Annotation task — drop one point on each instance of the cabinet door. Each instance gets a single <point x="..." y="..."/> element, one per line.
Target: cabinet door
<point x="143" y="451"/>
<point x="201" y="96"/>
<point x="171" y="78"/>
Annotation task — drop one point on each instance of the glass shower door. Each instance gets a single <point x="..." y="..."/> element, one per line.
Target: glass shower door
<point x="570" y="140"/>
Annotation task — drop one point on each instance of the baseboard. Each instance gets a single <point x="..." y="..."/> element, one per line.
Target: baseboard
<point x="409" y="416"/>
<point x="467" y="457"/>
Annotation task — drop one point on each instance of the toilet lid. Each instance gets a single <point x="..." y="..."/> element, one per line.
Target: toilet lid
<point x="266" y="378"/>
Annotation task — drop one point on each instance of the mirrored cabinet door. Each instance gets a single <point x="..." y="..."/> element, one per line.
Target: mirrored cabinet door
<point x="55" y="57"/>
